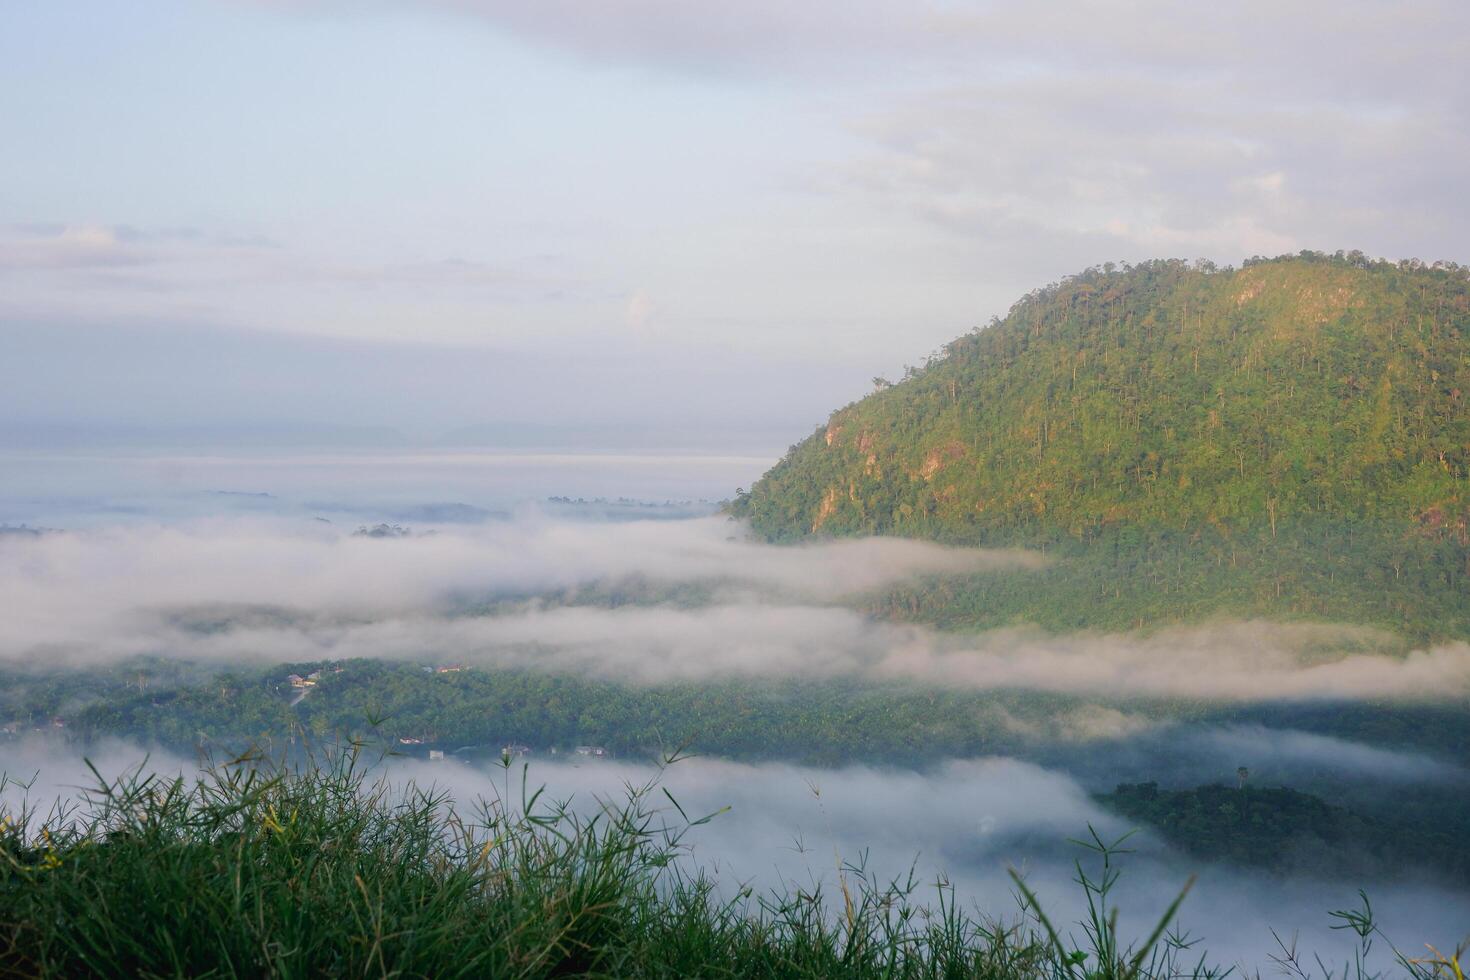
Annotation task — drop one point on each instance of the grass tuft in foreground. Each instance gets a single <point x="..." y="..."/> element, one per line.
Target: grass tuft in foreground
<point x="255" y="869"/>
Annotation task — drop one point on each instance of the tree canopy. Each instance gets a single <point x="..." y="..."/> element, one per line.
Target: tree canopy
<point x="1312" y="403"/>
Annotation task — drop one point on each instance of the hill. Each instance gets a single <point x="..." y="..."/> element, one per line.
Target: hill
<point x="1289" y="438"/>
<point x="1282" y="829"/>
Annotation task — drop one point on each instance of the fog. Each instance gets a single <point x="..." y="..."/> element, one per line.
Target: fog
<point x="1185" y="754"/>
<point x="114" y="592"/>
<point x="226" y="562"/>
<point x="268" y="585"/>
<point x="966" y="822"/>
<point x="1274" y="751"/>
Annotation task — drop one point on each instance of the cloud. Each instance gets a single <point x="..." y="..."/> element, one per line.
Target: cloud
<point x="55" y="247"/>
<point x="702" y="38"/>
<point x="188" y="259"/>
<point x="1323" y="46"/>
<point x="1280" y="750"/>
<point x="1184" y="753"/>
<point x="640" y="312"/>
<point x="800" y="178"/>
<point x="765" y="612"/>
<point x="111" y="591"/>
<point x="744" y="638"/>
<point x="1210" y="163"/>
<point x="225" y="287"/>
<point x="964" y="822"/>
<point x="1046" y="138"/>
<point x="1228" y="661"/>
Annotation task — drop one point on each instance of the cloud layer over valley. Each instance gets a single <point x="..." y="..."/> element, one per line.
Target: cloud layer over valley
<point x="636" y="601"/>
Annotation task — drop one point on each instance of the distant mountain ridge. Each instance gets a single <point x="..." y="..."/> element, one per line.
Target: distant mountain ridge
<point x="1310" y="404"/>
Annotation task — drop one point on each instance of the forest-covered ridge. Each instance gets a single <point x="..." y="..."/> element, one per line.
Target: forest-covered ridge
<point x="1282" y="829"/>
<point x="1289" y="422"/>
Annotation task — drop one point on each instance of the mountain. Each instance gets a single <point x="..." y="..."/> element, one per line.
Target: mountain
<point x="1285" y="831"/>
<point x="1289" y="438"/>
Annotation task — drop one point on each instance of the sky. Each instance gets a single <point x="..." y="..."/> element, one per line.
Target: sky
<point x="652" y="223"/>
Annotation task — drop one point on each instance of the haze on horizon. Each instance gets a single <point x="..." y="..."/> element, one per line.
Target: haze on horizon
<point x="660" y="225"/>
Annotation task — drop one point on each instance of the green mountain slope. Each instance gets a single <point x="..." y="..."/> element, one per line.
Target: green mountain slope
<point x="1281" y="829"/>
<point x="1288" y="438"/>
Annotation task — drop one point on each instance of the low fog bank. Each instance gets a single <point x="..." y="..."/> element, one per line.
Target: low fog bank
<point x="1292" y="755"/>
<point x="331" y="570"/>
<point x="711" y="603"/>
<point x="1182" y="755"/>
<point x="45" y="771"/>
<point x="966" y="820"/>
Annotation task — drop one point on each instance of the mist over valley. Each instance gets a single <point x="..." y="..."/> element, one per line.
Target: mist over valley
<point x="885" y="490"/>
<point x="520" y="630"/>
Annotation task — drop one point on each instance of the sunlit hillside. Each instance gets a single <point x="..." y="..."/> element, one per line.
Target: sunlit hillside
<point x="1289" y="438"/>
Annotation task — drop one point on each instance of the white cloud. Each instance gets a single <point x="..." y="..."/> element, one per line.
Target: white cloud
<point x="67" y="247"/>
<point x="640" y="313"/>
<point x="770" y="612"/>
<point x="109" y="589"/>
<point x="1230" y="130"/>
<point x="855" y="182"/>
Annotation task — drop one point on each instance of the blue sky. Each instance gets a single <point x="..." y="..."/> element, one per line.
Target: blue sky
<point x="686" y="211"/>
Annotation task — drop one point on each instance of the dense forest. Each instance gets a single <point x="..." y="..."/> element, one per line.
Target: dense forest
<point x="823" y="722"/>
<point x="1287" y="831"/>
<point x="1288" y="439"/>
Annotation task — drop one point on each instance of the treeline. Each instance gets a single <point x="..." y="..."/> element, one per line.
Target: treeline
<point x="821" y="722"/>
<point x="1123" y="578"/>
<point x="1289" y="832"/>
<point x="815" y="722"/>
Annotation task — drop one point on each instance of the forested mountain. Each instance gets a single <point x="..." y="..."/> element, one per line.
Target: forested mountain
<point x="1286" y="438"/>
<point x="1285" y="830"/>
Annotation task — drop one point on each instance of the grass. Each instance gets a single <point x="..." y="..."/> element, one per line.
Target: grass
<point x="265" y="869"/>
